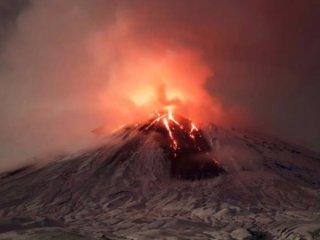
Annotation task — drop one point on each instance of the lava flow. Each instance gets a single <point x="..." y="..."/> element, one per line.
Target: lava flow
<point x="170" y="123"/>
<point x="185" y="145"/>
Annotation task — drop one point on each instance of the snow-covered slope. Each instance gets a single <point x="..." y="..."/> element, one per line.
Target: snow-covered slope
<point x="258" y="188"/>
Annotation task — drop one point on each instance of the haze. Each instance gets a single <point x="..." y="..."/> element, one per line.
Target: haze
<point x="67" y="67"/>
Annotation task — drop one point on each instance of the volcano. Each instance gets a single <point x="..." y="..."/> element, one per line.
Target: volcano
<point x="167" y="179"/>
<point x="184" y="146"/>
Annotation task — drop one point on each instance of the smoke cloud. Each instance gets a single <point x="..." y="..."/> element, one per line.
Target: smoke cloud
<point x="68" y="67"/>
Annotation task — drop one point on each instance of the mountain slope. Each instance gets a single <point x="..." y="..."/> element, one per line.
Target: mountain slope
<point x="250" y="187"/>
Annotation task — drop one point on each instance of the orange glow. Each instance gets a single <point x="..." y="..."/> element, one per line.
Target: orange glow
<point x="170" y="123"/>
<point x="142" y="79"/>
<point x="174" y="141"/>
<point x="192" y="130"/>
<point x="165" y="82"/>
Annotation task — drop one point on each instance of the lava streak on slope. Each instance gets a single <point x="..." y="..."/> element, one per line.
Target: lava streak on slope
<point x="184" y="144"/>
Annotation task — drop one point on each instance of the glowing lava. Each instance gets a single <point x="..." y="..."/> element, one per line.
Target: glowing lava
<point x="184" y="145"/>
<point x="170" y="123"/>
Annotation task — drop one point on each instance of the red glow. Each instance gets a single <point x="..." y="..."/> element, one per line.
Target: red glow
<point x="170" y="124"/>
<point x="142" y="79"/>
<point x="160" y="81"/>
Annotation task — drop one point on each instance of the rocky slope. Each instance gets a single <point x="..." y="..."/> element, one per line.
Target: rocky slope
<point x="240" y="185"/>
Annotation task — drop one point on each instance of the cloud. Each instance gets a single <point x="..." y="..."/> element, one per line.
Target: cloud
<point x="71" y="66"/>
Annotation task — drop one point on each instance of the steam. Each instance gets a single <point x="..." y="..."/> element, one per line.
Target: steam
<point x="72" y="66"/>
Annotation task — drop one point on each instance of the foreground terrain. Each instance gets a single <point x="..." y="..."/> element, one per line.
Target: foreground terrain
<point x="264" y="189"/>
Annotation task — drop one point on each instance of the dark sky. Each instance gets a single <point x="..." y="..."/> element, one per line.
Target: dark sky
<point x="264" y="55"/>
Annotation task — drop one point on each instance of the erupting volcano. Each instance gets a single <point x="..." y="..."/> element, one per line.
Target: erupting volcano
<point x="137" y="186"/>
<point x="166" y="177"/>
<point x="171" y="124"/>
<point x="187" y="149"/>
<point x="185" y="146"/>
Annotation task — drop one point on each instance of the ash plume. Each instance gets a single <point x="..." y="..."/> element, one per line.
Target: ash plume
<point x="70" y="66"/>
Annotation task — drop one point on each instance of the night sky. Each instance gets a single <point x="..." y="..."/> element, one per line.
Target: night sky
<point x="264" y="56"/>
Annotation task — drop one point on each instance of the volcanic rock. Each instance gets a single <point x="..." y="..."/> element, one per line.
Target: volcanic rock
<point x="131" y="188"/>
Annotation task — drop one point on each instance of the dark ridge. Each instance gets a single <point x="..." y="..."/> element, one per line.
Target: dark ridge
<point x="260" y="235"/>
<point x="15" y="172"/>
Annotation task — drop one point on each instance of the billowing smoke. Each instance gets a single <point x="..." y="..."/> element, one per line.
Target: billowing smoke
<point x="71" y="66"/>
